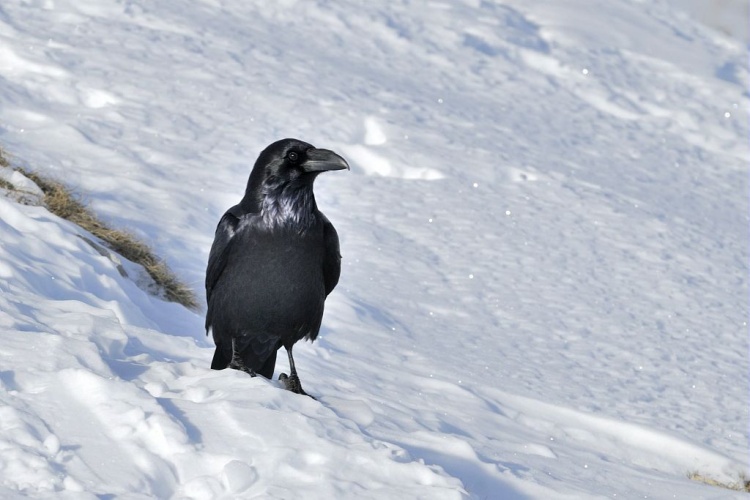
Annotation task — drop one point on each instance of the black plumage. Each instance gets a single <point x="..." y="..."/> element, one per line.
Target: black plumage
<point x="274" y="260"/>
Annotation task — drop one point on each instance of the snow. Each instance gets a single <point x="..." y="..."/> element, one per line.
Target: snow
<point x="545" y="240"/>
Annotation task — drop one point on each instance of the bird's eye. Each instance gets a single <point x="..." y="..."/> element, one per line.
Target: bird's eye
<point x="293" y="156"/>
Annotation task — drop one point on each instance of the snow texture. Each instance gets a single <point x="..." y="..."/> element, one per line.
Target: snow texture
<point x="545" y="239"/>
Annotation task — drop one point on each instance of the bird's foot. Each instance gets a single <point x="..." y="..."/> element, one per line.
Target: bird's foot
<point x="237" y="364"/>
<point x="293" y="384"/>
<point x="241" y="367"/>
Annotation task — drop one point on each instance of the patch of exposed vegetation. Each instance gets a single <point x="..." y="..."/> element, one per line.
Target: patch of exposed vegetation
<point x="67" y="204"/>
<point x="4" y="161"/>
<point x="742" y="483"/>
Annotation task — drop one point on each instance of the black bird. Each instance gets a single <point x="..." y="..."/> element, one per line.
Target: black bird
<point x="274" y="260"/>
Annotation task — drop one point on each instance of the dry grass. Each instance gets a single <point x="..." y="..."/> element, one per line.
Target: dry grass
<point x="4" y="161"/>
<point x="62" y="202"/>
<point x="742" y="484"/>
<point x="68" y="205"/>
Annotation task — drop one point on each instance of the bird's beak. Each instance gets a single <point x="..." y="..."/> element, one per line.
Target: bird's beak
<point x="321" y="160"/>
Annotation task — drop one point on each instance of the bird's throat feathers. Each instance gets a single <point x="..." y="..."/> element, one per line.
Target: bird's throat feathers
<point x="289" y="205"/>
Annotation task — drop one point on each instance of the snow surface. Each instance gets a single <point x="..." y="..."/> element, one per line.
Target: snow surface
<point x="545" y="240"/>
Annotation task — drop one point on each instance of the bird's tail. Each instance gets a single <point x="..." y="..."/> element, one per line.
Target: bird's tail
<point x="221" y="358"/>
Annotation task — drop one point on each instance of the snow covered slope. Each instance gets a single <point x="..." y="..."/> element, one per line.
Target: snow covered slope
<point x="545" y="241"/>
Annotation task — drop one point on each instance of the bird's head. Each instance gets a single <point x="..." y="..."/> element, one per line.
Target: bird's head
<point x="287" y="166"/>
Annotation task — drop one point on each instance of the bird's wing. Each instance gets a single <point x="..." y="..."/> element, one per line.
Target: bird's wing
<point x="217" y="259"/>
<point x="332" y="257"/>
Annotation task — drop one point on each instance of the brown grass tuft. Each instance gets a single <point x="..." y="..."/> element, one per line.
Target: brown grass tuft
<point x="742" y="484"/>
<point x="68" y="205"/>
<point x="4" y="161"/>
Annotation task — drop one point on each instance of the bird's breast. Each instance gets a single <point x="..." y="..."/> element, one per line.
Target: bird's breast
<point x="274" y="278"/>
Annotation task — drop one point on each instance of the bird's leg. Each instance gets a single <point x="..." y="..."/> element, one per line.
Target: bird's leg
<point x="237" y="362"/>
<point x="291" y="382"/>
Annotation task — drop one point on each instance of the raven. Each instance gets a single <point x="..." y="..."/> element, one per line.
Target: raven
<point x="274" y="260"/>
